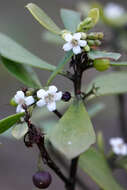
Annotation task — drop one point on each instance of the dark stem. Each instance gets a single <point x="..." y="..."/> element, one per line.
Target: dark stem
<point x="73" y="171"/>
<point x="47" y="160"/>
<point x="59" y="115"/>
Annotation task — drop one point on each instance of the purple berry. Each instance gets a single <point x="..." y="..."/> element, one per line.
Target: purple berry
<point x="66" y="96"/>
<point x="42" y="179"/>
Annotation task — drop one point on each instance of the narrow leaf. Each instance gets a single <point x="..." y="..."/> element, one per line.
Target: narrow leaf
<point x="71" y="19"/>
<point x="94" y="164"/>
<point x="52" y="38"/>
<point x="43" y="18"/>
<point x="8" y="122"/>
<point x="123" y="63"/>
<point x="110" y="83"/>
<point x="102" y="54"/>
<point x="60" y="67"/>
<point x="23" y="73"/>
<point x="11" y="50"/>
<point x="74" y="132"/>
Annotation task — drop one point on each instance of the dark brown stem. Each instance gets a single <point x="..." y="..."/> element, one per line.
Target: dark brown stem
<point x="59" y="115"/>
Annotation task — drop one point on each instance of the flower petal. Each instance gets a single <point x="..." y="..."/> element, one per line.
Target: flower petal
<point x="124" y="150"/>
<point x="82" y="43"/>
<point x="19" y="109"/>
<point x="68" y="37"/>
<point x="58" y="96"/>
<point x="116" y="141"/>
<point x="77" y="50"/>
<point x="19" y="95"/>
<point x="41" y="103"/>
<point x="67" y="47"/>
<point x="41" y="93"/>
<point x="51" y="106"/>
<point x="29" y="100"/>
<point x="52" y="89"/>
<point x="77" y="36"/>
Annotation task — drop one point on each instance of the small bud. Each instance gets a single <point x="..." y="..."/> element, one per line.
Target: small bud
<point x="83" y="36"/>
<point x="95" y="36"/>
<point x="87" y="48"/>
<point x="101" y="64"/>
<point x="29" y="92"/>
<point x="13" y="103"/>
<point x="91" y="42"/>
<point x="42" y="179"/>
<point x="66" y="96"/>
<point x="84" y="24"/>
<point x="97" y="42"/>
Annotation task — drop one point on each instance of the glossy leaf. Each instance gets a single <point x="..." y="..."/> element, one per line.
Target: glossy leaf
<point x="94" y="164"/>
<point x="19" y="130"/>
<point x="11" y="50"/>
<point x="23" y="73"/>
<point x="71" y="19"/>
<point x="60" y="67"/>
<point x="8" y="122"/>
<point x="43" y="18"/>
<point x="74" y="133"/>
<point x="109" y="84"/>
<point x="102" y="54"/>
<point x="94" y="14"/>
<point x="122" y="63"/>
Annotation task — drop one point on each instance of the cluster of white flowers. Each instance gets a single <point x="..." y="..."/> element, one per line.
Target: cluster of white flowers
<point x="21" y="99"/>
<point x="113" y="11"/>
<point x="49" y="97"/>
<point x="74" y="42"/>
<point x="119" y="147"/>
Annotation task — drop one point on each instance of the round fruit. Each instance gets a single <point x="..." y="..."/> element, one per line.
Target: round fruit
<point x="66" y="96"/>
<point x="101" y="64"/>
<point x="42" y="179"/>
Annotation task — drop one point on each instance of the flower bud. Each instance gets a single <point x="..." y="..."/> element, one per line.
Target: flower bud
<point x="95" y="36"/>
<point x="91" y="42"/>
<point x="101" y="64"/>
<point x="83" y="36"/>
<point x="13" y="103"/>
<point x="66" y="96"/>
<point x="84" y="24"/>
<point x="42" y="179"/>
<point x="97" y="42"/>
<point x="87" y="48"/>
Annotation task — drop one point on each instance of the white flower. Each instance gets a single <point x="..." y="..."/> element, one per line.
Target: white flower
<point x="113" y="11"/>
<point x="21" y="99"/>
<point x="74" y="43"/>
<point x="48" y="98"/>
<point x="119" y="147"/>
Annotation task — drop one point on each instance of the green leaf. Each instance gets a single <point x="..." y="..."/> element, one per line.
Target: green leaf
<point x="102" y="54"/>
<point x="8" y="122"/>
<point x="94" y="14"/>
<point x="122" y="63"/>
<point x="43" y="18"/>
<point x="71" y="19"/>
<point x="122" y="163"/>
<point x="23" y="73"/>
<point x="52" y="38"/>
<point x="19" y="130"/>
<point x="60" y="67"/>
<point x="74" y="132"/>
<point x="94" y="164"/>
<point x="109" y="84"/>
<point x="95" y="109"/>
<point x="11" y="50"/>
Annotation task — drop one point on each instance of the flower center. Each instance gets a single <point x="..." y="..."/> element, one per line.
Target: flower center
<point x="21" y="101"/>
<point x="49" y="98"/>
<point x="120" y="146"/>
<point x="74" y="42"/>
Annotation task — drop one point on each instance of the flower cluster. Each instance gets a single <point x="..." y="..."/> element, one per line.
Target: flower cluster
<point x="119" y="147"/>
<point x="43" y="97"/>
<point x="74" y="42"/>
